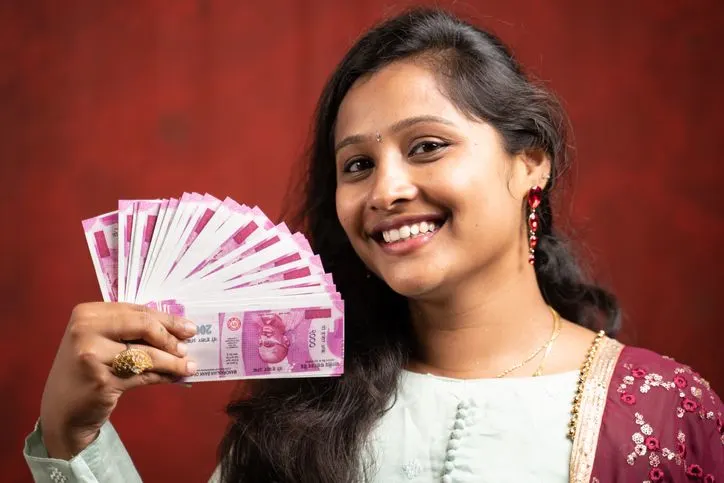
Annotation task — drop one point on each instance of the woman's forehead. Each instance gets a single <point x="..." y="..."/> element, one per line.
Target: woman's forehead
<point x="399" y="91"/>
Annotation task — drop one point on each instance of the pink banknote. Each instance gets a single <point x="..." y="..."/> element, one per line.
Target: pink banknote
<point x="101" y="234"/>
<point x="227" y="217"/>
<point x="160" y="231"/>
<point x="146" y="215"/>
<point x="296" y="342"/>
<point x="283" y="260"/>
<point x="270" y="239"/>
<point x="263" y="305"/>
<point x="293" y="267"/>
<point x="125" y="230"/>
<point x="207" y="210"/>
<point x="236" y="239"/>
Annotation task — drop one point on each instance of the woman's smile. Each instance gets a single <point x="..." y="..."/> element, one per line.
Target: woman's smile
<point x="401" y="235"/>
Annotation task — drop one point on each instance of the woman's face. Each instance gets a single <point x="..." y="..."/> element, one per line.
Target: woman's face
<point x="427" y="196"/>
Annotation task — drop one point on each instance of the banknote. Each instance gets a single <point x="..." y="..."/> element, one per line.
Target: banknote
<point x="293" y="270"/>
<point x="208" y="207"/>
<point x="278" y="245"/>
<point x="260" y="297"/>
<point x="283" y="260"/>
<point x="101" y="235"/>
<point x="293" y="342"/>
<point x="226" y="219"/>
<point x="125" y="229"/>
<point x="146" y="215"/>
<point x="250" y="259"/>
<point x="180" y="219"/>
<point x="237" y="228"/>
<point x="159" y="235"/>
<point x="244" y="226"/>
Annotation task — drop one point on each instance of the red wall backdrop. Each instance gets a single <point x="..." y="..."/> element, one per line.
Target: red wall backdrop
<point x="108" y="100"/>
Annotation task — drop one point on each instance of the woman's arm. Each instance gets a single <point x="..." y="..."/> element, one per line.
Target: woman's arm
<point x="104" y="460"/>
<point x="73" y="440"/>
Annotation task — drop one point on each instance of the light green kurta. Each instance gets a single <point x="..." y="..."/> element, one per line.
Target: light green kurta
<point x="439" y="430"/>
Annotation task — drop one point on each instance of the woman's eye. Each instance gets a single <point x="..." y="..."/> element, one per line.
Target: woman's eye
<point x="357" y="165"/>
<point x="427" y="147"/>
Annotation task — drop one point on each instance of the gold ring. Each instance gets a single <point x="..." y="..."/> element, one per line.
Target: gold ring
<point x="131" y="362"/>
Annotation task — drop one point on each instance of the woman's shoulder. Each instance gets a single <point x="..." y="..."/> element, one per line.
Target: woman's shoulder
<point x="662" y="414"/>
<point x="657" y="362"/>
<point x="642" y="378"/>
<point x="642" y="374"/>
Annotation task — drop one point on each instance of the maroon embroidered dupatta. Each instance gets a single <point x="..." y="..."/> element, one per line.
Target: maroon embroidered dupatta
<point x="646" y="418"/>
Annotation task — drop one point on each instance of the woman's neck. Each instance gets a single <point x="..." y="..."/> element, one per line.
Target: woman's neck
<point x="481" y="328"/>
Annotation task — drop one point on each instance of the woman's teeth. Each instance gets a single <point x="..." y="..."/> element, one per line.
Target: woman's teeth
<point x="408" y="231"/>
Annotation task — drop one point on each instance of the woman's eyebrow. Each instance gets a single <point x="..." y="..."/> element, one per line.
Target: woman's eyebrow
<point x="411" y="121"/>
<point x="398" y="126"/>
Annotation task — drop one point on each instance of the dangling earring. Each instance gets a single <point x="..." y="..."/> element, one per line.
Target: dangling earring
<point x="534" y="199"/>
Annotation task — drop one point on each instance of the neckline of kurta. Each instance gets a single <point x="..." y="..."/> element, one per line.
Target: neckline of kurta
<point x="550" y="384"/>
<point x="546" y="378"/>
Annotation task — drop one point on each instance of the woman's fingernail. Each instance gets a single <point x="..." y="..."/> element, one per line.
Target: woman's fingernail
<point x="181" y="348"/>
<point x="191" y="367"/>
<point x="190" y="327"/>
<point x="187" y="386"/>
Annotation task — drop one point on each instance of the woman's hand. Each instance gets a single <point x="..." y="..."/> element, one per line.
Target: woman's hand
<point x="82" y="390"/>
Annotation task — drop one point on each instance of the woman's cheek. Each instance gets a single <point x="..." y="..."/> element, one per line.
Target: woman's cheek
<point x="344" y="212"/>
<point x="459" y="178"/>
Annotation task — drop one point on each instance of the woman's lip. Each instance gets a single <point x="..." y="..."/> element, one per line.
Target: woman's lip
<point x="399" y="221"/>
<point x="408" y="245"/>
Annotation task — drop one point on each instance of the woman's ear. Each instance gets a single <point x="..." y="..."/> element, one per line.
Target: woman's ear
<point x="532" y="168"/>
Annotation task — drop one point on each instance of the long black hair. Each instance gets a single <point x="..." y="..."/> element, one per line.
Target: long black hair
<point x="314" y="430"/>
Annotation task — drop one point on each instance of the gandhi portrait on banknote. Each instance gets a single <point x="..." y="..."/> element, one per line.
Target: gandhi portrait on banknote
<point x="273" y="340"/>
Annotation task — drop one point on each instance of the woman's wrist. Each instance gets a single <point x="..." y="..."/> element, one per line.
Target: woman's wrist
<point x="64" y="445"/>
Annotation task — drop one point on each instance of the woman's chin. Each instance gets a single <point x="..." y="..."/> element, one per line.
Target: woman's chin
<point x="412" y="286"/>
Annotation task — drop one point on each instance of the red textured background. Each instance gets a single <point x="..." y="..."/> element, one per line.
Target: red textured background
<point x="108" y="100"/>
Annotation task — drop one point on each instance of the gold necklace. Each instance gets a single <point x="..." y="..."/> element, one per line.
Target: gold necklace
<point x="556" y="328"/>
<point x="585" y="369"/>
<point x="549" y="346"/>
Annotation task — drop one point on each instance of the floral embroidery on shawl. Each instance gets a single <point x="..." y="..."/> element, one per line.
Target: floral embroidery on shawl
<point x="662" y="423"/>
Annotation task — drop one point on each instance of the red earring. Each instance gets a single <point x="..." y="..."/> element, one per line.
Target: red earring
<point x="534" y="199"/>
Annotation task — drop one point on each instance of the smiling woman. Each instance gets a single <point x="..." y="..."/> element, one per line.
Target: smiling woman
<point x="439" y="166"/>
<point x="475" y="349"/>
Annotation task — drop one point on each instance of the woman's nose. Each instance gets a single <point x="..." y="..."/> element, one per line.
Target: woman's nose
<point x="393" y="185"/>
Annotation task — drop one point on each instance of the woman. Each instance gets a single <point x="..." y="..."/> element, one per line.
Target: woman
<point x="471" y="346"/>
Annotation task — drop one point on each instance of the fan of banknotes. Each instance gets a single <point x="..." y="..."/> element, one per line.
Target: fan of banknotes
<point x="262" y="303"/>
